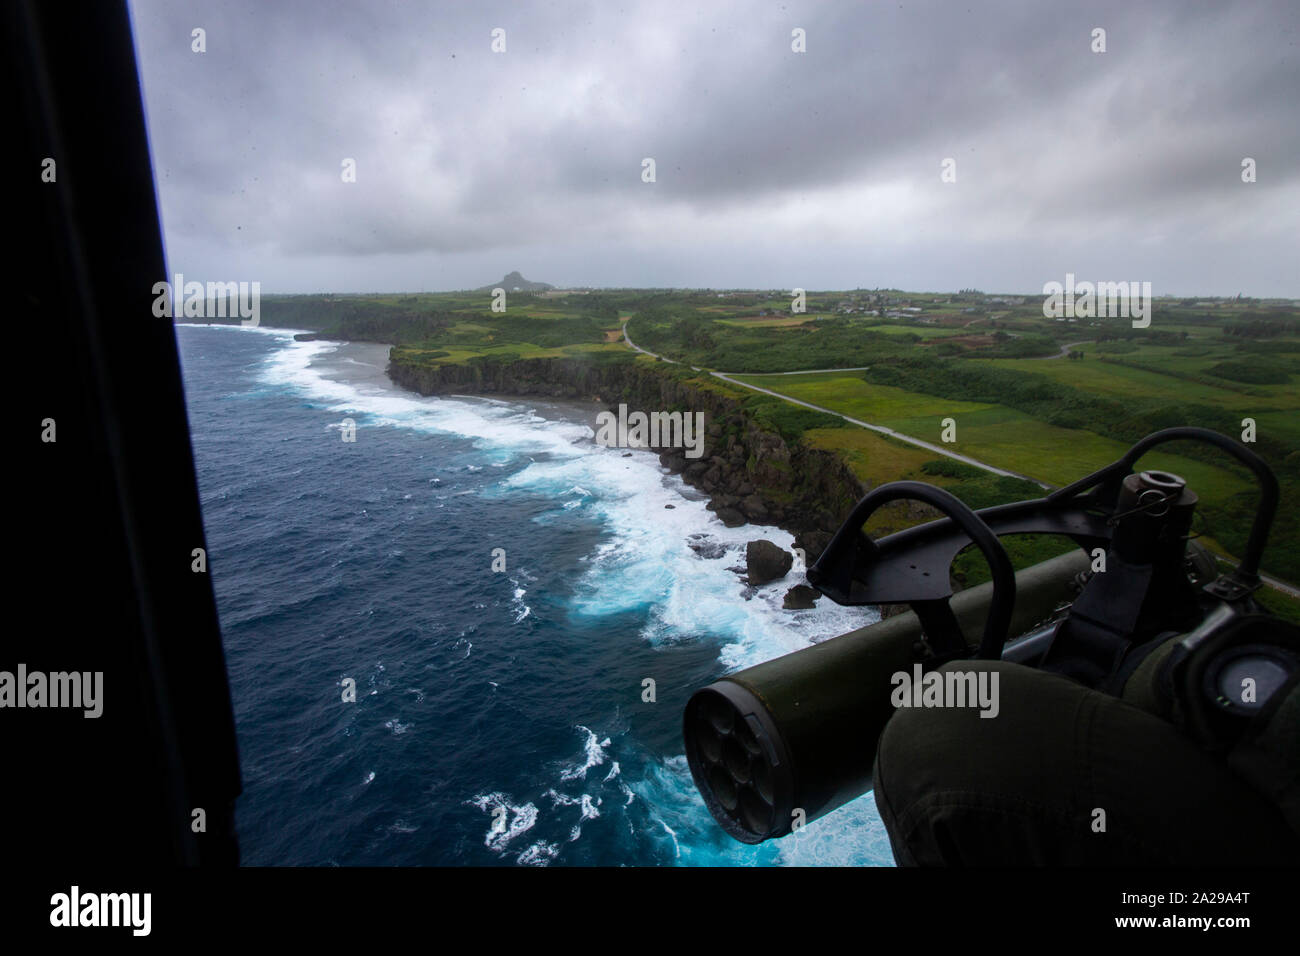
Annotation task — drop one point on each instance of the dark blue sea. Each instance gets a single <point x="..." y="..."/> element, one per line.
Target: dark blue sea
<point x="499" y="717"/>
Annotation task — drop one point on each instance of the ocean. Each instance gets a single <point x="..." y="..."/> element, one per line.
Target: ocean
<point x="499" y="718"/>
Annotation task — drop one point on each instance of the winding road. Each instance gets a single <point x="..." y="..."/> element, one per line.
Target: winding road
<point x="910" y="439"/>
<point x="1065" y="350"/>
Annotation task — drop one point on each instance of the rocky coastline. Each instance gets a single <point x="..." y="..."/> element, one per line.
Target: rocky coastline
<point x="750" y="473"/>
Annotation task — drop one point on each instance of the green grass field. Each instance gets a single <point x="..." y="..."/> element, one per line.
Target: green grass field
<point x="1124" y="382"/>
<point x="767" y="322"/>
<point x="924" y="331"/>
<point x="991" y="433"/>
<point x="1222" y="361"/>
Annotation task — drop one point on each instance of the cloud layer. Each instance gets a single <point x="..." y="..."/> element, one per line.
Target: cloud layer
<point x="773" y="168"/>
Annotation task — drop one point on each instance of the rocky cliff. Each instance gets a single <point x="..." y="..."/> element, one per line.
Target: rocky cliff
<point x="750" y="473"/>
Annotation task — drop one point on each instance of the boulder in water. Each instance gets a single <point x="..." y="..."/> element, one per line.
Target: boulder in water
<point x="709" y="550"/>
<point x="766" y="562"/>
<point x="801" y="597"/>
<point x="730" y="517"/>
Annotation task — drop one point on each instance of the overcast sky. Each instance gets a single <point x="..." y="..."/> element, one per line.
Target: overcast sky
<point x="774" y="169"/>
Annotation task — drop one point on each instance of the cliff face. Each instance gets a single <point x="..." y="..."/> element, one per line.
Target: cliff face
<point x="750" y="473"/>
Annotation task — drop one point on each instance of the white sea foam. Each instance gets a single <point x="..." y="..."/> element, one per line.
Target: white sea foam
<point x="643" y="564"/>
<point x="521" y="609"/>
<point x="594" y="751"/>
<point x="588" y="809"/>
<point x="506" y="827"/>
<point x="853" y="835"/>
<point x="499" y="429"/>
<point x="677" y="847"/>
<point x="539" y="854"/>
<point x="646" y="562"/>
<point x="286" y="334"/>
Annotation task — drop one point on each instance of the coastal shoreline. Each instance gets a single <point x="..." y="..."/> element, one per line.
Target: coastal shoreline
<point x="749" y="474"/>
<point x="365" y="364"/>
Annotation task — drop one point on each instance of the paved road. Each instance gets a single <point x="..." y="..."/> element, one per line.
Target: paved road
<point x="938" y="449"/>
<point x="1065" y="350"/>
<point x="1280" y="585"/>
<point x="628" y="339"/>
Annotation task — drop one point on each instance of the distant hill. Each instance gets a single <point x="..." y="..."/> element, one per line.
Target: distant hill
<point x="514" y="282"/>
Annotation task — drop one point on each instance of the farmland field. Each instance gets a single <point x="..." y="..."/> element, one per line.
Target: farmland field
<point x="994" y="365"/>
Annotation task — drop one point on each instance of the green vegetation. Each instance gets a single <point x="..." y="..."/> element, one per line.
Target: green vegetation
<point x="991" y="363"/>
<point x="1276" y="602"/>
<point x="1024" y="550"/>
<point x="1252" y="373"/>
<point x="790" y="421"/>
<point x="455" y="322"/>
<point x="753" y="342"/>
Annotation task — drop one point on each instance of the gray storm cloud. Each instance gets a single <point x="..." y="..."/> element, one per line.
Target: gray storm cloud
<point x="819" y="169"/>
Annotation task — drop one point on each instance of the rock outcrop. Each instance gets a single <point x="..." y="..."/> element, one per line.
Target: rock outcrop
<point x="765" y="562"/>
<point x="801" y="597"/>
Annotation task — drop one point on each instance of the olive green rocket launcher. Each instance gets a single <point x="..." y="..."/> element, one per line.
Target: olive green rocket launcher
<point x="784" y="742"/>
